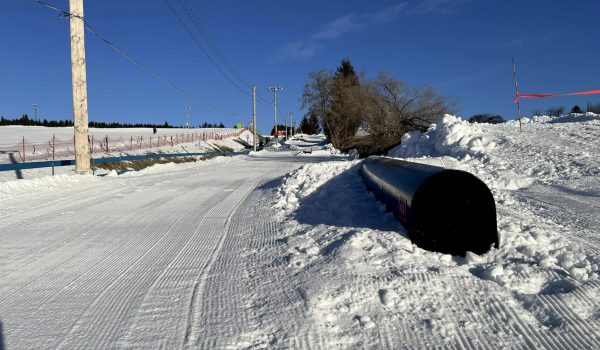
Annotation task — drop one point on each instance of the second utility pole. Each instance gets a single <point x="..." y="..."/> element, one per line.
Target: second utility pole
<point x="275" y="89"/>
<point x="291" y="114"/>
<point x="254" y="116"/>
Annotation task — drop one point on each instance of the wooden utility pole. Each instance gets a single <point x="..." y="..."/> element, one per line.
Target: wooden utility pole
<point x="80" y="106"/>
<point x="291" y="114"/>
<point x="254" y="116"/>
<point x="274" y="89"/>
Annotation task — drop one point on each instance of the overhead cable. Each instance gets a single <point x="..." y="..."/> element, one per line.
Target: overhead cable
<point x="65" y="14"/>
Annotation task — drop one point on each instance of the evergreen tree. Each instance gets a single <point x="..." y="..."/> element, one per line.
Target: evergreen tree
<point x="310" y="124"/>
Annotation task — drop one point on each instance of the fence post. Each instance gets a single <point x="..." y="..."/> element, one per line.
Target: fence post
<point x="150" y="141"/>
<point x="53" y="147"/>
<point x="171" y="140"/>
<point x="141" y="141"/>
<point x="106" y="140"/>
<point x="23" y="149"/>
<point x="92" y="143"/>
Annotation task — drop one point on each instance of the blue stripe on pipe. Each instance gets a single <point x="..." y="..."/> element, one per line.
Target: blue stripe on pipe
<point x="66" y="162"/>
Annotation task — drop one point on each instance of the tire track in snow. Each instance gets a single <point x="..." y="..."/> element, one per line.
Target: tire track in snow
<point x="164" y="302"/>
<point x="83" y="276"/>
<point x="46" y="214"/>
<point x="98" y="325"/>
<point x="41" y="281"/>
<point x="245" y="284"/>
<point x="66" y="295"/>
<point x="36" y="275"/>
<point x="561" y="208"/>
<point x="193" y="320"/>
<point x="53" y="225"/>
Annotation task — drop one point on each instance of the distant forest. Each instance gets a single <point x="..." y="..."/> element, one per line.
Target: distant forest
<point x="26" y="121"/>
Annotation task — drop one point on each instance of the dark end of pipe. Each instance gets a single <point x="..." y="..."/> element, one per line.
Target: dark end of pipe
<point x="454" y="212"/>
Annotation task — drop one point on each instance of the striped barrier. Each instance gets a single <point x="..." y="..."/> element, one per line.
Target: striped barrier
<point x="67" y="162"/>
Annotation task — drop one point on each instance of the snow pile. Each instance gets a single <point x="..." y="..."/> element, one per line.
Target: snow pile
<point x="361" y="273"/>
<point x="302" y="182"/>
<point x="453" y="139"/>
<point x="566" y="118"/>
<point x="300" y="146"/>
<point x="451" y="136"/>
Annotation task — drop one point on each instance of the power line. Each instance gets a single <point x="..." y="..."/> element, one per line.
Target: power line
<point x="194" y="18"/>
<point x="65" y="14"/>
<point x="195" y="39"/>
<point x="196" y="21"/>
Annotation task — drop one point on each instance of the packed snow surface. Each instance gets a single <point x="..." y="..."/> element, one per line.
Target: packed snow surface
<point x="285" y="248"/>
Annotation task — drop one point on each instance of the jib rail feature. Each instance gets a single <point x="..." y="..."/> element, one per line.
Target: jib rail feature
<point x="444" y="210"/>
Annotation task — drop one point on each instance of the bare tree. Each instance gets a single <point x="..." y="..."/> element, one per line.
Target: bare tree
<point x="336" y="100"/>
<point x="385" y="108"/>
<point x="391" y="108"/>
<point x="317" y="96"/>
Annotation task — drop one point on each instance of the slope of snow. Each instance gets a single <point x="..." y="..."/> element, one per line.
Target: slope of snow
<point x="366" y="285"/>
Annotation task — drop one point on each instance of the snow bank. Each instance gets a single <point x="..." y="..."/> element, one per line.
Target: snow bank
<point x="450" y="136"/>
<point x="566" y="118"/>
<point x="361" y="273"/>
<point x="15" y="188"/>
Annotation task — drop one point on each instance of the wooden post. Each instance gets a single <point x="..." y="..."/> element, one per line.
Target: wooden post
<point x="80" y="107"/>
<point x="53" y="147"/>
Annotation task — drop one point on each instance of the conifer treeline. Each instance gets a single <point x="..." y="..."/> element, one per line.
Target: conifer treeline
<point x="26" y="121"/>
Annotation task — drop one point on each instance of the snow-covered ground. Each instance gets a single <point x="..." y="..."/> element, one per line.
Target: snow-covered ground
<point x="285" y="248"/>
<point x="183" y="142"/>
<point x="31" y="143"/>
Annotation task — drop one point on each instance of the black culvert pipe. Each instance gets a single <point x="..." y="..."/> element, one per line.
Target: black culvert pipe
<point x="446" y="211"/>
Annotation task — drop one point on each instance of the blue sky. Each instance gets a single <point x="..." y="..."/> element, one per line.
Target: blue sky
<point x="463" y="48"/>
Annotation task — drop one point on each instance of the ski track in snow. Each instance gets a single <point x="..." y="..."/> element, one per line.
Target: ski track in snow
<point x="122" y="262"/>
